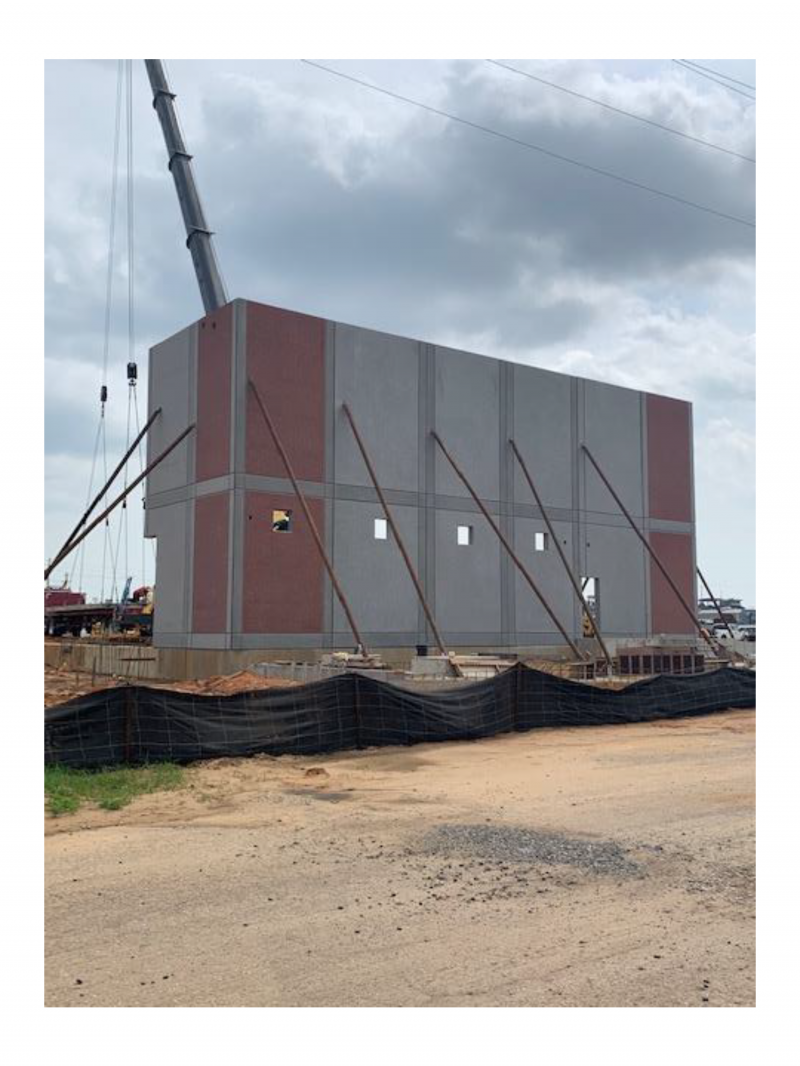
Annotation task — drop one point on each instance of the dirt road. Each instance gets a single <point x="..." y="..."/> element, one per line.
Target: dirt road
<point x="607" y="866"/>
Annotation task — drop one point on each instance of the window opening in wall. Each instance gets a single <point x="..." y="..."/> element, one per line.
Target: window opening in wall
<point x="464" y="536"/>
<point x="590" y="587"/>
<point x="381" y="529"/>
<point x="281" y="521"/>
<point x="541" y="542"/>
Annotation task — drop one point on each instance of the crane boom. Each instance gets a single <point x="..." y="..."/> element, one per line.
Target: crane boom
<point x="198" y="235"/>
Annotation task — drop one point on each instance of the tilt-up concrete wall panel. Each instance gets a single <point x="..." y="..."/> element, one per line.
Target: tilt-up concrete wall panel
<point x="612" y="429"/>
<point x="467" y="418"/>
<point x="675" y="552"/>
<point x="467" y="585"/>
<point x="542" y="429"/>
<point x="214" y="357"/>
<point x="373" y="575"/>
<point x="285" y="359"/>
<point x="615" y="556"/>
<point x="282" y="587"/>
<point x="377" y="375"/>
<point x="172" y="387"/>
<point x="669" y="451"/>
<point x="547" y="570"/>
<point x="173" y="525"/>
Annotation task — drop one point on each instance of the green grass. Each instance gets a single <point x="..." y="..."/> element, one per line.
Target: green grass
<point x="67" y="790"/>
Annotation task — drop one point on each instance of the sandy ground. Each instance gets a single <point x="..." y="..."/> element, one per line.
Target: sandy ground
<point x="62" y="684"/>
<point x="326" y="882"/>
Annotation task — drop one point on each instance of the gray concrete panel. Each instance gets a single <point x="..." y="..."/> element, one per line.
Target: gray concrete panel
<point x="467" y="579"/>
<point x="343" y="639"/>
<point x="617" y="557"/>
<point x="372" y="572"/>
<point x="468" y="421"/>
<point x="542" y="429"/>
<point x="219" y="641"/>
<point x="378" y="376"/>
<point x="173" y="527"/>
<point x="225" y="483"/>
<point x="550" y="576"/>
<point x="261" y="483"/>
<point x="613" y="431"/>
<point x="369" y="495"/>
<point x="171" y="368"/>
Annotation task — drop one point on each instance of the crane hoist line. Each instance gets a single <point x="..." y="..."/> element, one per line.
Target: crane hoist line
<point x="198" y="236"/>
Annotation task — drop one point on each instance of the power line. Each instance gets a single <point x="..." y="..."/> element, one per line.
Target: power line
<point x="533" y="147"/>
<point x="727" y="77"/>
<point x="701" y="74"/>
<point x="621" y="111"/>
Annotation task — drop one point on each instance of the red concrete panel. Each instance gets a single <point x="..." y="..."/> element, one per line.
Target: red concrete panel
<point x="285" y="359"/>
<point x="210" y="577"/>
<point x="214" y="355"/>
<point x="282" y="590"/>
<point x="669" y="458"/>
<point x="675" y="552"/>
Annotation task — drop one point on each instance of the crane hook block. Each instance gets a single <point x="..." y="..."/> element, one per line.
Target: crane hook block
<point x="103" y="393"/>
<point x="132" y="372"/>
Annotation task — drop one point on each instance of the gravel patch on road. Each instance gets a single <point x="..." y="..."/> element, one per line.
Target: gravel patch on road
<point x="517" y="844"/>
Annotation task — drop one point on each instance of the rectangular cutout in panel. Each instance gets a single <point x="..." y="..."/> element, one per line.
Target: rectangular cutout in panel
<point x="281" y="521"/>
<point x="464" y="536"/>
<point x="541" y="542"/>
<point x="381" y="531"/>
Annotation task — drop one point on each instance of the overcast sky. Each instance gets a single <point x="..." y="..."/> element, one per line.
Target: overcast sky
<point x="331" y="199"/>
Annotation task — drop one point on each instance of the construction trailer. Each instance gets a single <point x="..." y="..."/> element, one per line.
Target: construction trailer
<point x="237" y="564"/>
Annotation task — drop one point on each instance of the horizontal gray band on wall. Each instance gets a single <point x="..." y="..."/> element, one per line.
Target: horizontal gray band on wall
<point x="254" y="641"/>
<point x="214" y="484"/>
<point x="282" y="485"/>
<point x="170" y="640"/>
<point x="190" y="641"/>
<point x="366" y="495"/>
<point x="455" y="504"/>
<point x="666" y="525"/>
<point x="170" y="497"/>
<point x="217" y="641"/>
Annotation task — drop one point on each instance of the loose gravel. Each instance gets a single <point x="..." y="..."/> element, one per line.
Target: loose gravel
<point x="500" y="844"/>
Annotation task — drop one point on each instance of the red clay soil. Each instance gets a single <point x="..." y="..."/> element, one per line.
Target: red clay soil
<point x="64" y="684"/>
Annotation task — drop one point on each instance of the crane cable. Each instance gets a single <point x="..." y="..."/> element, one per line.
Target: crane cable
<point x="133" y="373"/>
<point x="123" y="531"/>
<point x="100" y="435"/>
<point x="108" y="547"/>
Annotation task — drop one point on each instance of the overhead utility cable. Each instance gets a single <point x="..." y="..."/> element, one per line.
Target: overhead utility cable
<point x="727" y="77"/>
<point x="534" y="147"/>
<point x="621" y="111"/>
<point x="701" y="74"/>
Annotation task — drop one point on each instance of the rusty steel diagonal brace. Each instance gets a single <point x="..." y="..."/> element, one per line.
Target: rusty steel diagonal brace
<point x="504" y="541"/>
<point x="309" y="517"/>
<point x="399" y="540"/>
<point x="562" y="555"/>
<point x="158" y="459"/>
<point x="739" y="656"/>
<point x="654" y="556"/>
<point x="109" y="482"/>
<point x="722" y="617"/>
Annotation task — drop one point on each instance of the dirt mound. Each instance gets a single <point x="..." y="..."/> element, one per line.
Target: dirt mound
<point x="63" y="684"/>
<point x="229" y="684"/>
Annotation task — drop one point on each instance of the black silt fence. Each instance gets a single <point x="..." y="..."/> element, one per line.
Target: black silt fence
<point x="137" y="724"/>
